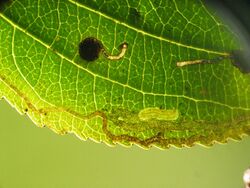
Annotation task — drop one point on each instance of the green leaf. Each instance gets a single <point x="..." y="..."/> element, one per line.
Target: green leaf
<point x="143" y="98"/>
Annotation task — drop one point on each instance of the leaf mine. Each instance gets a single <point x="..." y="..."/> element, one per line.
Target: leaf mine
<point x="123" y="48"/>
<point x="238" y="59"/>
<point x="158" y="114"/>
<point x="90" y="48"/>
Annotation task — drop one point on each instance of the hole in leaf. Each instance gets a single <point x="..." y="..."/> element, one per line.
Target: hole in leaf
<point x="90" y="48"/>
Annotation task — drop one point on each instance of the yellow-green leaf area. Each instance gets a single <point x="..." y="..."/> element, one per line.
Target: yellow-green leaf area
<point x="142" y="98"/>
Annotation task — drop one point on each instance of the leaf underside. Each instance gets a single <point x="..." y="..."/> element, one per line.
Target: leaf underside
<point x="142" y="98"/>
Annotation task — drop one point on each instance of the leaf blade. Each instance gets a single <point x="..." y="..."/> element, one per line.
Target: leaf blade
<point x="103" y="100"/>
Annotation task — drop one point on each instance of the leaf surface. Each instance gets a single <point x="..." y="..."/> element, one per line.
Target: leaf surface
<point x="142" y="98"/>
